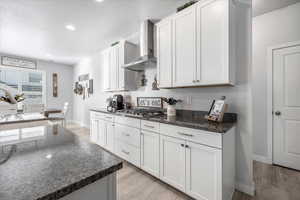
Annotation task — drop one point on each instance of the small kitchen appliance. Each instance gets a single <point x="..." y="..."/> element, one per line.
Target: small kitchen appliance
<point x="117" y="102"/>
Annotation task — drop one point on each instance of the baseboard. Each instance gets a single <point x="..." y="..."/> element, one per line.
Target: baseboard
<point x="245" y="188"/>
<point x="262" y="159"/>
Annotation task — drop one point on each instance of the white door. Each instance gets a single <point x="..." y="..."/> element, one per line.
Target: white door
<point x="213" y="42"/>
<point x="110" y="134"/>
<point x="114" y="68"/>
<point x="94" y="130"/>
<point x="150" y="152"/>
<point x="164" y="53"/>
<point x="286" y="107"/>
<point x="102" y="133"/>
<point x="172" y="161"/>
<point x="184" y="48"/>
<point x="203" y="172"/>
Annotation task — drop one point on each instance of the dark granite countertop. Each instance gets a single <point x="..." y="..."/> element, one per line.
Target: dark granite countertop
<point x="189" y="119"/>
<point x="49" y="162"/>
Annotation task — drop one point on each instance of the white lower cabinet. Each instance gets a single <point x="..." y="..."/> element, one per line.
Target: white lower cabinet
<point x="203" y="172"/>
<point x="102" y="134"/>
<point x="94" y="130"/>
<point x="110" y="136"/>
<point x="172" y="161"/>
<point x="199" y="163"/>
<point x="150" y="152"/>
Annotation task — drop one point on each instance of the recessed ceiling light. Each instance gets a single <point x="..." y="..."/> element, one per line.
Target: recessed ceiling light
<point x="99" y="0"/>
<point x="70" y="27"/>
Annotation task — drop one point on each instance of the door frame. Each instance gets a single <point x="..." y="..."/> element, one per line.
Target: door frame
<point x="270" y="63"/>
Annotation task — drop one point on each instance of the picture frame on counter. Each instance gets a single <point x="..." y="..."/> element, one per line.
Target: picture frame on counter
<point x="18" y="62"/>
<point x="150" y="102"/>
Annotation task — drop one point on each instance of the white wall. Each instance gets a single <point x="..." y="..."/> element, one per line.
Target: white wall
<point x="271" y="29"/>
<point x="238" y="97"/>
<point x="65" y="84"/>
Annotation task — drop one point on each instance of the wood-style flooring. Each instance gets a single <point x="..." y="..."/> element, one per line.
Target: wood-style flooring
<point x="271" y="182"/>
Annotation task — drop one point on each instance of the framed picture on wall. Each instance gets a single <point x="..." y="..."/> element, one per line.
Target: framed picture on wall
<point x="18" y="62"/>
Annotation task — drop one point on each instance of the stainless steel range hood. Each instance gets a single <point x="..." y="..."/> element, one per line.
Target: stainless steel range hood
<point x="146" y="48"/>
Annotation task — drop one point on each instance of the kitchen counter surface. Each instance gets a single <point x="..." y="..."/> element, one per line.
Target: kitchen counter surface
<point x="188" y="119"/>
<point x="49" y="162"/>
<point x="20" y="118"/>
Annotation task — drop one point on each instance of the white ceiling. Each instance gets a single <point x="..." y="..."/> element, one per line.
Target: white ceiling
<point x="263" y="6"/>
<point x="36" y="28"/>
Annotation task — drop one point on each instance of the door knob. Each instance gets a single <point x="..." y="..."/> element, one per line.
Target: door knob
<point x="277" y="113"/>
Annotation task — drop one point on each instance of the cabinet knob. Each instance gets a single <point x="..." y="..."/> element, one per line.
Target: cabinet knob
<point x="277" y="113"/>
<point x="187" y="146"/>
<point x="182" y="145"/>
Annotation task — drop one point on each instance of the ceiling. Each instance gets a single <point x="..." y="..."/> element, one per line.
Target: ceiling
<point x="36" y="28"/>
<point x="263" y="6"/>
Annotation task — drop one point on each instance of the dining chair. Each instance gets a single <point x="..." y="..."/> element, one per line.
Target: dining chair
<point x="61" y="117"/>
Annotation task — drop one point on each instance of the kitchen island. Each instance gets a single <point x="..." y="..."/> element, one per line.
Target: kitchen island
<point x="50" y="162"/>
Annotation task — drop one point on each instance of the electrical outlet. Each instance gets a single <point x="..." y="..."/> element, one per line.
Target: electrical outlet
<point x="189" y="100"/>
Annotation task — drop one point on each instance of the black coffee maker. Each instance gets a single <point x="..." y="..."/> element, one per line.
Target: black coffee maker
<point x="117" y="102"/>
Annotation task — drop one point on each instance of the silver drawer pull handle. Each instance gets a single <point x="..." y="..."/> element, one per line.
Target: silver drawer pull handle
<point x="185" y="134"/>
<point x="148" y="126"/>
<point x="108" y="117"/>
<point x="126" y="152"/>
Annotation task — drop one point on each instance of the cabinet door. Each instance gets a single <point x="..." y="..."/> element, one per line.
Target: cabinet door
<point x="150" y="152"/>
<point x="102" y="136"/>
<point x="203" y="172"/>
<point x="172" y="161"/>
<point x="94" y="130"/>
<point x="121" y="62"/>
<point x="110" y="133"/>
<point x="114" y="68"/>
<point x="106" y="69"/>
<point x="164" y="54"/>
<point x="184" y="48"/>
<point x="213" y="42"/>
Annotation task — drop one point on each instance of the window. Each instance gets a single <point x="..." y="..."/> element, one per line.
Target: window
<point x="30" y="82"/>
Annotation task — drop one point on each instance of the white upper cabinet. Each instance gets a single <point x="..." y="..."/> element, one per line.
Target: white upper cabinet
<point x="114" y="68"/>
<point x="213" y="42"/>
<point x="116" y="78"/>
<point x="202" y="45"/>
<point x="184" y="48"/>
<point x="164" y="49"/>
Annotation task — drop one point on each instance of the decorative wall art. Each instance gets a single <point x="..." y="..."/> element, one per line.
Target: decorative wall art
<point x="84" y="86"/>
<point x="18" y="62"/>
<point x="55" y="84"/>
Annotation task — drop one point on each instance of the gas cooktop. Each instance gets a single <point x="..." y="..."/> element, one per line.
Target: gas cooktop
<point x="142" y="112"/>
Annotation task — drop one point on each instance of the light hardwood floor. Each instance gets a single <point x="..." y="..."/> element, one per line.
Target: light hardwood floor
<point x="272" y="182"/>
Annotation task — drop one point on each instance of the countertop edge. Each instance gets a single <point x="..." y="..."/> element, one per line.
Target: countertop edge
<point x="82" y="183"/>
<point x="170" y="123"/>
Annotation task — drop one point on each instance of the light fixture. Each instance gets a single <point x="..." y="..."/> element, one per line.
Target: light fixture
<point x="70" y="27"/>
<point x="99" y="0"/>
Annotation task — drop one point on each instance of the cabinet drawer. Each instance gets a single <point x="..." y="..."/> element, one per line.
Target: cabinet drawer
<point x="128" y="121"/>
<point x="102" y="116"/>
<point x="128" y="152"/>
<point x="194" y="135"/>
<point x="108" y="117"/>
<point x="150" y="126"/>
<point x="128" y="134"/>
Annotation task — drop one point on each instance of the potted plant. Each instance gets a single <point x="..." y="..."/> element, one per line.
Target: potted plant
<point x="171" y="111"/>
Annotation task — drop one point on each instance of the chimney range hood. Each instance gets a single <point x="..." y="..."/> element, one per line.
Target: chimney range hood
<point x="146" y="48"/>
